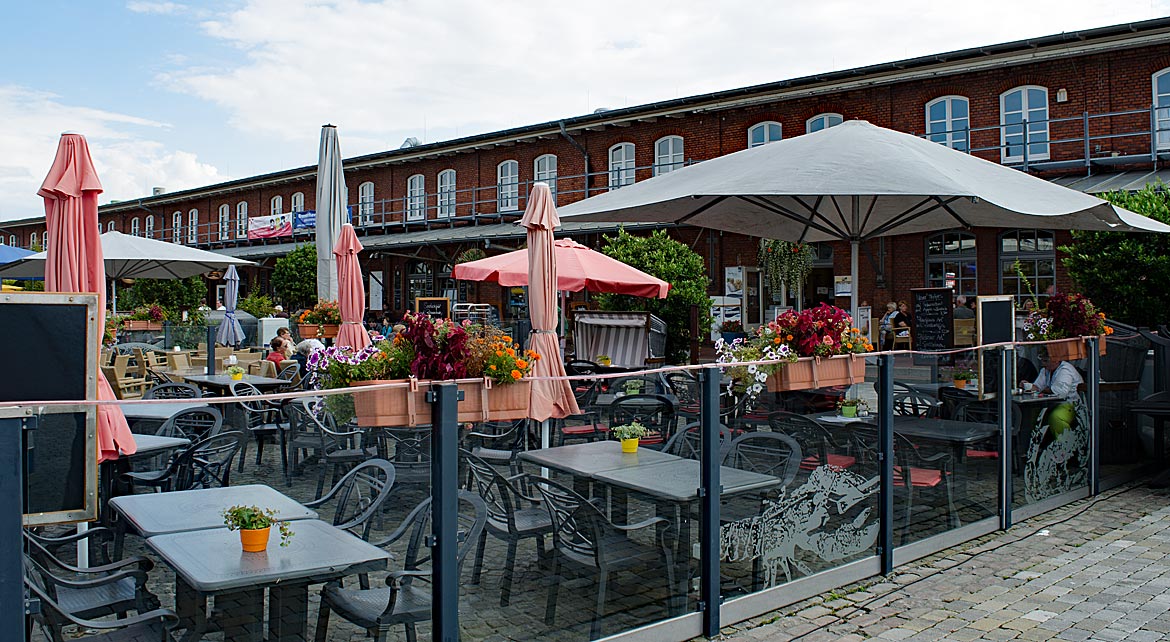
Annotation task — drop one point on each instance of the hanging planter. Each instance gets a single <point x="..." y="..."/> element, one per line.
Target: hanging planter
<point x="785" y="264"/>
<point x="818" y="372"/>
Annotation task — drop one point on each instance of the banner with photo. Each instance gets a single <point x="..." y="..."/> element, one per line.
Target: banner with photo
<point x="301" y="220"/>
<point x="267" y="227"/>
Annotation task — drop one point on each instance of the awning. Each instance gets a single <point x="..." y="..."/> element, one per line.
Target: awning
<point x="1113" y="181"/>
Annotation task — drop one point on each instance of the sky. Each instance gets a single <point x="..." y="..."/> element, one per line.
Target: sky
<point x="185" y="94"/>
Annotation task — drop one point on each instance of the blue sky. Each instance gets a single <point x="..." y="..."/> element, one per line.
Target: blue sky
<point x="185" y="94"/>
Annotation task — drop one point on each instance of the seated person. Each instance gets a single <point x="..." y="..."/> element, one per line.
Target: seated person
<point x="1059" y="378"/>
<point x="278" y="351"/>
<point x="961" y="309"/>
<point x="304" y="348"/>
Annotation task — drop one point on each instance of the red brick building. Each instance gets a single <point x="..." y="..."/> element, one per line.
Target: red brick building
<point x="1089" y="109"/>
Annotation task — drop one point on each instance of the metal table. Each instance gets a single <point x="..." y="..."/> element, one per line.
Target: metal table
<point x="211" y="563"/>
<point x="677" y="480"/>
<point x="157" y="411"/>
<point x="111" y="469"/>
<point x="585" y="460"/>
<point x="222" y="383"/>
<point x="957" y="434"/>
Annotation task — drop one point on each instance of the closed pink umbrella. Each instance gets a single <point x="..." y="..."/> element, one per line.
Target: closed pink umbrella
<point x="74" y="262"/>
<point x="550" y="399"/>
<point x="351" y="296"/>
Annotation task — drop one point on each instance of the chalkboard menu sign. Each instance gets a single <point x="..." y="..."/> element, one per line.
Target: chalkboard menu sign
<point x="995" y="323"/>
<point x="933" y="322"/>
<point x="54" y="344"/>
<point x="434" y="307"/>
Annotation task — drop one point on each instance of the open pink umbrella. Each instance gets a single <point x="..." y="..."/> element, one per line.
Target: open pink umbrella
<point x="351" y="296"/>
<point x="578" y="268"/>
<point x="74" y="262"/>
<point x="549" y="398"/>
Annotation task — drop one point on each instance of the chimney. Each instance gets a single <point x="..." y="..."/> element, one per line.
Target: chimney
<point x="156" y="191"/>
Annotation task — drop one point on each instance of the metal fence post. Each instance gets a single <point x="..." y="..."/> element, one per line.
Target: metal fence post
<point x="444" y="542"/>
<point x="12" y="594"/>
<point x="886" y="452"/>
<point x="211" y="350"/>
<point x="1094" y="394"/>
<point x="1006" y="455"/>
<point x="710" y="599"/>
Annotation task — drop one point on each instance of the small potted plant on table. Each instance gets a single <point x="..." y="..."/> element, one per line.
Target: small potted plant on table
<point x="254" y="524"/>
<point x="961" y="376"/>
<point x="236" y="373"/>
<point x="629" y="434"/>
<point x="852" y="407"/>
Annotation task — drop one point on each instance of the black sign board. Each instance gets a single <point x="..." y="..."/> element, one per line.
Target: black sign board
<point x="434" y="307"/>
<point x="996" y="323"/>
<point x="933" y="323"/>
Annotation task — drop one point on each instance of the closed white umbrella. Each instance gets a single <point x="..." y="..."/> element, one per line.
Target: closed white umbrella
<point x="854" y="182"/>
<point x="332" y="211"/>
<point x="229" y="332"/>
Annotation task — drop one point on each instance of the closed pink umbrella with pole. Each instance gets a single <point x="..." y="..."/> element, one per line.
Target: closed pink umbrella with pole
<point x="550" y="399"/>
<point x="351" y="296"/>
<point x="74" y="262"/>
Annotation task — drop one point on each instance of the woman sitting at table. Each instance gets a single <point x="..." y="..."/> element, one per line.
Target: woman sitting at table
<point x="278" y="353"/>
<point x="1061" y="379"/>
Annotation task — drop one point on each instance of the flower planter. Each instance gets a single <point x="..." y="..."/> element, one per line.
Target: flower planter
<point x="848" y="411"/>
<point x="630" y="445"/>
<point x="237" y="377"/>
<point x="329" y="330"/>
<point x="815" y="372"/>
<point x="406" y="406"/>
<point x="1073" y="349"/>
<point x="254" y="540"/>
<point x="146" y="326"/>
<point x="308" y="330"/>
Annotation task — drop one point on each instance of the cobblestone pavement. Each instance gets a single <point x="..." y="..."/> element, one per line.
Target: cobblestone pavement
<point x="1097" y="569"/>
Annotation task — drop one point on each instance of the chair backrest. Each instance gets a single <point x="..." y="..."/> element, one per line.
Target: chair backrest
<point x="649" y="384"/>
<point x="813" y="438"/>
<point x="577" y="525"/>
<point x="914" y="404"/>
<point x="178" y="361"/>
<point x="289" y="369"/>
<point x="500" y="497"/>
<point x="684" y="387"/>
<point x="194" y="423"/>
<point x="581" y="367"/>
<point x="172" y="391"/>
<point x="655" y="412"/>
<point x="767" y="453"/>
<point x="359" y="496"/>
<point x="687" y="443"/>
<point x="254" y="411"/>
<point x="472" y="517"/>
<point x="964" y="332"/>
<point x="122" y="365"/>
<point x="208" y="463"/>
<point x="951" y="398"/>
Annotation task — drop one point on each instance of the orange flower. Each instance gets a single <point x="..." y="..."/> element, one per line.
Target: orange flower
<point x="511" y="352"/>
<point x="491" y="367"/>
<point x="789" y="338"/>
<point x="536" y="356"/>
<point x="516" y="374"/>
<point x="520" y="363"/>
<point x="499" y="353"/>
<point x="776" y="340"/>
<point x="848" y="346"/>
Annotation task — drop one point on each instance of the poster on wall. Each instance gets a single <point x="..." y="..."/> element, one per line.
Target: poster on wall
<point x="268" y="227"/>
<point x="305" y="219"/>
<point x="375" y="302"/>
<point x="733" y="281"/>
<point x="862" y="322"/>
<point x="843" y="285"/>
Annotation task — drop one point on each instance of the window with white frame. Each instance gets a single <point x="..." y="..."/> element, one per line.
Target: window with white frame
<point x="763" y="133"/>
<point x="416" y="198"/>
<point x="193" y="226"/>
<point x="32" y="242"/>
<point x="507" y="186"/>
<point x="545" y="170"/>
<point x="621" y="165"/>
<point x="447" y="193"/>
<point x="242" y="219"/>
<point x="149" y="226"/>
<point x="134" y="226"/>
<point x="951" y="262"/>
<point x="276" y="205"/>
<point x="1017" y="105"/>
<point x="177" y="227"/>
<point x="1027" y="257"/>
<point x="1162" y="108"/>
<point x="947" y="121"/>
<point x="366" y="203"/>
<point x="45" y="240"/>
<point x="298" y="202"/>
<point x="822" y="121"/>
<point x="12" y="239"/>
<point x="668" y="154"/>
<point x="225" y="216"/>
<point x="110" y="226"/>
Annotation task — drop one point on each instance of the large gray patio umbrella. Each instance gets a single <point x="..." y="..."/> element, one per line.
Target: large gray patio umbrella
<point x="229" y="332"/>
<point x="854" y="182"/>
<point x="332" y="212"/>
<point x="136" y="257"/>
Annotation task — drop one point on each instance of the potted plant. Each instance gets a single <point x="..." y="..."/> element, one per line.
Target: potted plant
<point x="254" y="524"/>
<point x="852" y="407"/>
<point x="146" y="318"/>
<point x="322" y="320"/>
<point x="236" y="373"/>
<point x="732" y="330"/>
<point x="629" y="434"/>
<point x="784" y="263"/>
<point x="1065" y="320"/>
<point x="960" y="376"/>
<point x="604" y="360"/>
<point x="825" y="347"/>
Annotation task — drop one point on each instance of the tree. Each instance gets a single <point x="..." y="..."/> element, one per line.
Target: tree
<point x="172" y="294"/>
<point x="295" y="277"/>
<point x="1127" y="275"/>
<point x="675" y="263"/>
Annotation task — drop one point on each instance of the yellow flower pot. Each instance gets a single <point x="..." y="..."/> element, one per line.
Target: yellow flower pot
<point x="239" y="376"/>
<point x="630" y="445"/>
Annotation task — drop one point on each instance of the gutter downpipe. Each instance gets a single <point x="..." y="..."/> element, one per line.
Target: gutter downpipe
<point x="585" y="154"/>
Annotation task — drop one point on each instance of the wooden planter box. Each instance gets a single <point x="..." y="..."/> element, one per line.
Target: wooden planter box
<point x="308" y="330"/>
<point x="811" y="372"/>
<point x="1073" y="349"/>
<point x="407" y="407"/>
<point x="330" y="330"/>
<point x="147" y="326"/>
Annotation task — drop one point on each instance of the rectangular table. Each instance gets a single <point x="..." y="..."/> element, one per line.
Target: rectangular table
<point x="958" y="434"/>
<point x="157" y="411"/>
<point x="585" y="460"/>
<point x="190" y="510"/>
<point x="111" y="469"/>
<point x="211" y="563"/>
<point x="221" y="383"/>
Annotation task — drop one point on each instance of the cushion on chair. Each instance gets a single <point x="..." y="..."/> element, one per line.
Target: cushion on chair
<point x="982" y="454"/>
<point x="584" y="429"/>
<point x="920" y="477"/>
<point x="813" y="462"/>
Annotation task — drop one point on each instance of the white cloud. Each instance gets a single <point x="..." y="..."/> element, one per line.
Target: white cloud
<point x="159" y="8"/>
<point x="129" y="160"/>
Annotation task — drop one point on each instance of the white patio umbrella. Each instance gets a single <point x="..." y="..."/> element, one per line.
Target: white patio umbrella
<point x="136" y="257"/>
<point x="854" y="182"/>
<point x="332" y="212"/>
<point x="229" y="332"/>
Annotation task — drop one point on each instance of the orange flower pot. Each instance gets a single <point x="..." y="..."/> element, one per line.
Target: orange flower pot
<point x="254" y="540"/>
<point x="308" y="330"/>
<point x="404" y="406"/>
<point x="814" y="372"/>
<point x="330" y="330"/>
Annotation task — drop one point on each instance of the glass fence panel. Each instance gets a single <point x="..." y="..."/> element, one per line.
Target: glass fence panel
<point x="1127" y="378"/>
<point x="800" y="479"/>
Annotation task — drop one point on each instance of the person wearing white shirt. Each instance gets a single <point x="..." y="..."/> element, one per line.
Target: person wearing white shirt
<point x="1059" y="378"/>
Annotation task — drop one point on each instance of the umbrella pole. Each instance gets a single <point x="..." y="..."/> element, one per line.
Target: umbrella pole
<point x="114" y="295"/>
<point x="853" y="251"/>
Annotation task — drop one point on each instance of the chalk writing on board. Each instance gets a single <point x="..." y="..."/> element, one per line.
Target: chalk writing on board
<point x="933" y="319"/>
<point x="434" y="307"/>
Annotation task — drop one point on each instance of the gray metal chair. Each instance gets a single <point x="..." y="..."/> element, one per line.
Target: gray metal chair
<point x="402" y="601"/>
<point x="359" y="496"/>
<point x="256" y="418"/>
<point x="193" y="423"/>
<point x="172" y="391"/>
<point x="687" y="443"/>
<point x="149" y="626"/>
<point x="311" y="427"/>
<point x="205" y="464"/>
<point x="818" y="445"/>
<point x="655" y="412"/>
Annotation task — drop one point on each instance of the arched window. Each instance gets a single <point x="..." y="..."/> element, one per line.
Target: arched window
<point x="32" y="242"/>
<point x="12" y="240"/>
<point x="134" y="226"/>
<point x="621" y="165"/>
<point x="545" y="170"/>
<point x="298" y="201"/>
<point x="177" y="227"/>
<point x="822" y="121"/>
<point x="763" y="133"/>
<point x="366" y="203"/>
<point x="507" y="186"/>
<point x="242" y="219"/>
<point x="193" y="226"/>
<point x="1033" y="252"/>
<point x="150" y="226"/>
<point x="447" y="193"/>
<point x="110" y="226"/>
<point x="225" y="215"/>
<point x="1028" y="103"/>
<point x="950" y="262"/>
<point x="1162" y="107"/>
<point x="276" y="205"/>
<point x="416" y="198"/>
<point x="668" y="154"/>
<point x="947" y="121"/>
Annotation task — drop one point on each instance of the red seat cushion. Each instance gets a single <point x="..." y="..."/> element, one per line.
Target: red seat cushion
<point x="813" y="462"/>
<point x="583" y="430"/>
<point x="920" y="477"/>
<point x="982" y="454"/>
